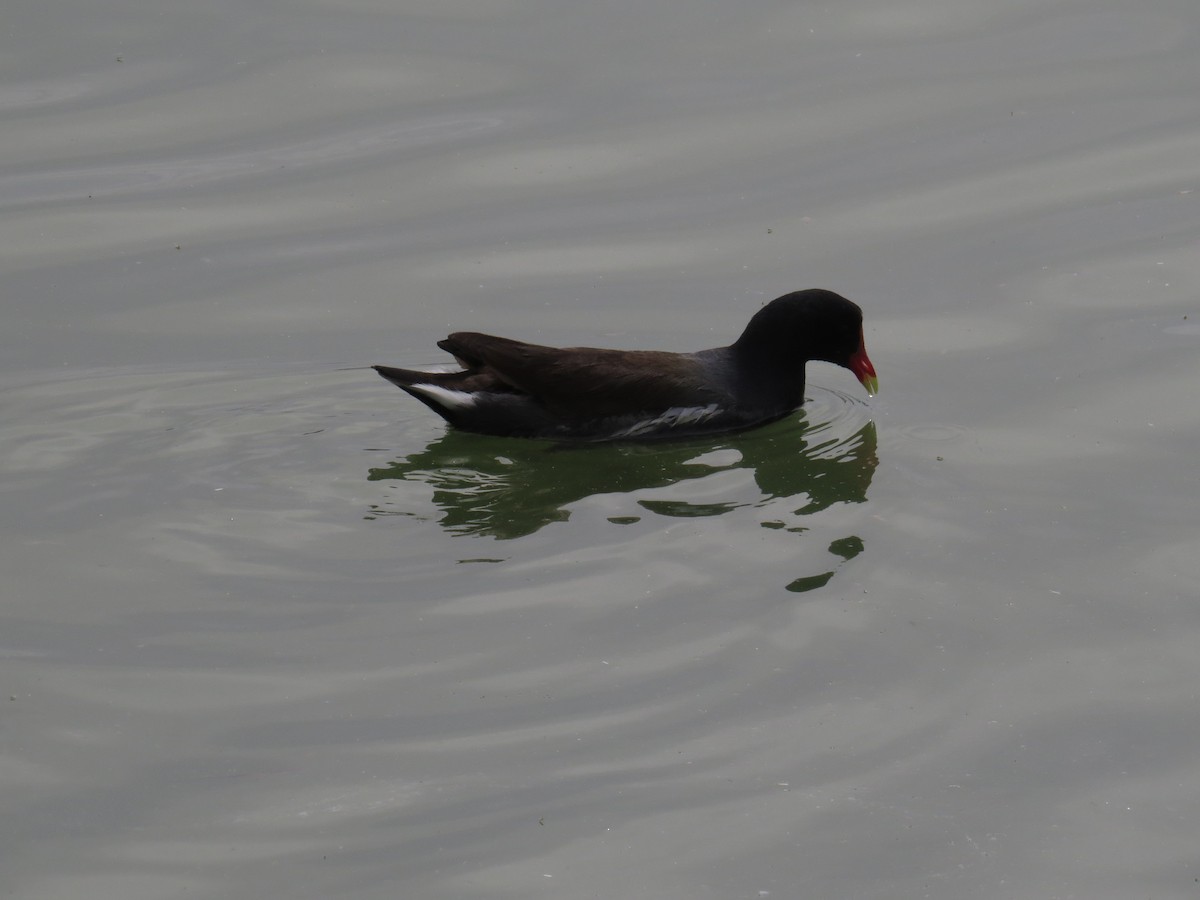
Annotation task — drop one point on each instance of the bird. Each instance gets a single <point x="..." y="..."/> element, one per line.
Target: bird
<point x="511" y="388"/>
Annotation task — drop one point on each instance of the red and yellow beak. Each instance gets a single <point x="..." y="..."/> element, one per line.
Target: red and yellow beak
<point x="861" y="366"/>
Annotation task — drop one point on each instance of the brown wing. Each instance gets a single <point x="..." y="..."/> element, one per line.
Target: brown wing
<point x="586" y="382"/>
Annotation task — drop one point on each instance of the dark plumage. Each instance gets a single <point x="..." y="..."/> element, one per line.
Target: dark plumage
<point x="516" y="389"/>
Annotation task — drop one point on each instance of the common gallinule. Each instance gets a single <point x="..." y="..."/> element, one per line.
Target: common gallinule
<point x="515" y="389"/>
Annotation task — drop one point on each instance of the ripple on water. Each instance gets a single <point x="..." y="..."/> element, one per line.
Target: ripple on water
<point x="106" y="180"/>
<point x="218" y="470"/>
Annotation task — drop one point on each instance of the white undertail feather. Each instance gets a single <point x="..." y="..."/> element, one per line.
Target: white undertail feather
<point x="445" y="397"/>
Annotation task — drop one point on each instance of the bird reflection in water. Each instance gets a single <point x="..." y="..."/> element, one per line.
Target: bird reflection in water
<point x="508" y="488"/>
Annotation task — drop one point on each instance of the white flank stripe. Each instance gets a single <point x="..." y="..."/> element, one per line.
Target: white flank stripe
<point x="444" y="396"/>
<point x="675" y="417"/>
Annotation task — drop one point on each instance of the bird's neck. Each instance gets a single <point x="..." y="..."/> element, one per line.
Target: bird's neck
<point x="768" y="375"/>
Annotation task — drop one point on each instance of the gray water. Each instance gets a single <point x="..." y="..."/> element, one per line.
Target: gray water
<point x="269" y="630"/>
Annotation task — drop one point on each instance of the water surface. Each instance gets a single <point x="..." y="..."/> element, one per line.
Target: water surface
<point x="269" y="629"/>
